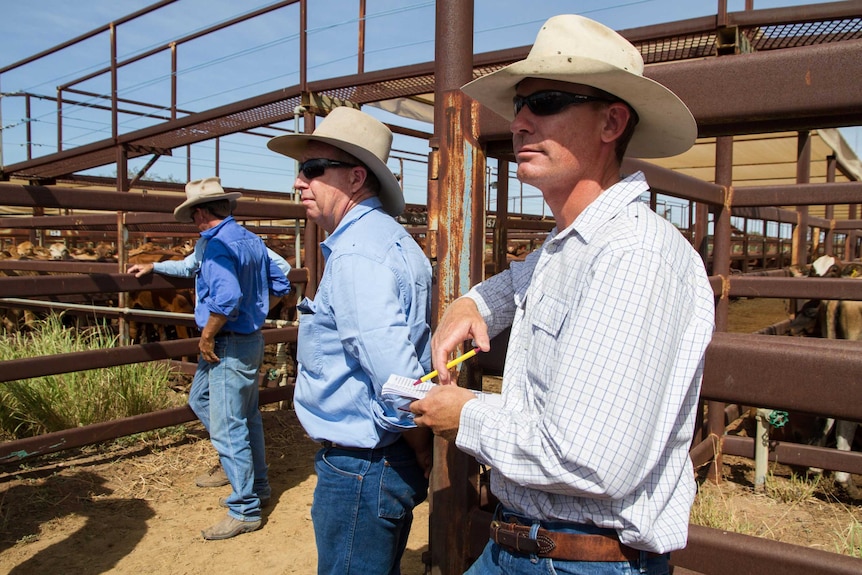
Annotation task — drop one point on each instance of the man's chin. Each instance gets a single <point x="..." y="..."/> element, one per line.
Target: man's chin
<point x="527" y="173"/>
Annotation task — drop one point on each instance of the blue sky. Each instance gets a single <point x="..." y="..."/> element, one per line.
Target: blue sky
<point x="255" y="58"/>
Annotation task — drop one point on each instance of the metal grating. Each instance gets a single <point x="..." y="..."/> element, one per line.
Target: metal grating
<point x="254" y="117"/>
<point x="268" y="110"/>
<point x="385" y="90"/>
<point x="677" y="48"/>
<point x="761" y="38"/>
<point x="804" y="34"/>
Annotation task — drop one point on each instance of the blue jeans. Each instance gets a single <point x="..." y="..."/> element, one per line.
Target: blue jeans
<point x="363" y="508"/>
<point x="497" y="560"/>
<point x="224" y="396"/>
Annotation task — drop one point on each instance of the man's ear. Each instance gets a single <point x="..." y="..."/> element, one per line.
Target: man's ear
<point x="616" y="119"/>
<point x="358" y="175"/>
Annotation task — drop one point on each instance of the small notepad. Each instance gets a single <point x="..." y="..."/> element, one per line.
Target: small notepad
<point x="401" y="386"/>
<point x="404" y="387"/>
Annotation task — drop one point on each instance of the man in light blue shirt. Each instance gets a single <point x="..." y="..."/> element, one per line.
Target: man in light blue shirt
<point x="369" y="319"/>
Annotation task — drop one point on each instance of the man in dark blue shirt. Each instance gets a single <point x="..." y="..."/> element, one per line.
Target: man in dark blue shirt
<point x="233" y="288"/>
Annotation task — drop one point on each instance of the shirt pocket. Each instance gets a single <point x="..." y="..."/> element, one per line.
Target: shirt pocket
<point x="308" y="344"/>
<point x="547" y="317"/>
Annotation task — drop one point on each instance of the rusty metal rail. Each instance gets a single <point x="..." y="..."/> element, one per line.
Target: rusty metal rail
<point x="785" y="373"/>
<point x="28" y="367"/>
<point x="12" y="451"/>
<point x="717" y="552"/>
<point x="78" y="361"/>
<point x="57" y="197"/>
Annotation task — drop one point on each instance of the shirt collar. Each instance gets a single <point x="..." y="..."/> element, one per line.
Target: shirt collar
<point x="604" y="208"/>
<point x="210" y="233"/>
<point x="351" y="217"/>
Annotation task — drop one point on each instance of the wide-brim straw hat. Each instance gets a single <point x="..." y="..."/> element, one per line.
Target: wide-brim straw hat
<point x="571" y="48"/>
<point x="360" y="135"/>
<point x="201" y="192"/>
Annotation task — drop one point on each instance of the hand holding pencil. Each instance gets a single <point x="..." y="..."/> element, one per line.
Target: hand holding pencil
<point x="449" y="365"/>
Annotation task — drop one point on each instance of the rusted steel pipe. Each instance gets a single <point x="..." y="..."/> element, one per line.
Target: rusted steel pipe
<point x="721" y="266"/>
<point x="29" y="367"/>
<point x="44" y="197"/>
<point x="35" y="286"/>
<point x="778" y="90"/>
<point x="717" y="552"/>
<point x="42" y="285"/>
<point x="789" y="373"/>
<point x="677" y="184"/>
<point x="789" y="287"/>
<point x="704" y="451"/>
<point x="457" y="215"/>
<point x="17" y="450"/>
<point x="803" y="194"/>
<point x="789" y="453"/>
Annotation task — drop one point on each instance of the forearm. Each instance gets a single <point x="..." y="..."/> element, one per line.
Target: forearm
<point x="176" y="268"/>
<point x="207" y="341"/>
<point x="214" y="324"/>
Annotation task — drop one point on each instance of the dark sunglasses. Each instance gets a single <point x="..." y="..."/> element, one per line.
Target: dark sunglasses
<point x="550" y="102"/>
<point x="315" y="167"/>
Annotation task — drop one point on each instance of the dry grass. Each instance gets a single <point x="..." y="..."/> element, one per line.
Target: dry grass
<point x="807" y="511"/>
<point x="50" y="403"/>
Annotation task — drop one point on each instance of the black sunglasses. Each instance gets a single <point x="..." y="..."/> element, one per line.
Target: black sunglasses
<point x="550" y="102"/>
<point x="315" y="167"/>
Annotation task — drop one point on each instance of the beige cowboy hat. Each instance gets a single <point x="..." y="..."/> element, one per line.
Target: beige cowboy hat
<point x="360" y="135"/>
<point x="571" y="48"/>
<point x="200" y="192"/>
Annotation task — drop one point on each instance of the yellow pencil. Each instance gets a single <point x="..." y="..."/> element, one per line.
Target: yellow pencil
<point x="449" y="365"/>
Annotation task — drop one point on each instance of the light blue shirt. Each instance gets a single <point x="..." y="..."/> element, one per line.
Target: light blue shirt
<point x="235" y="278"/>
<point x="369" y="319"/>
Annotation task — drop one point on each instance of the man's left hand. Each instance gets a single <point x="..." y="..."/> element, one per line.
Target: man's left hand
<point x="207" y="348"/>
<point x="441" y="409"/>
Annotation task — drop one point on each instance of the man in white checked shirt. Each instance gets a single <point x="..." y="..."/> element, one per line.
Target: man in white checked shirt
<point x="610" y="322"/>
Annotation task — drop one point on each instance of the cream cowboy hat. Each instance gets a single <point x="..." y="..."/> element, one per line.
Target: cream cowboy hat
<point x="200" y="192"/>
<point x="360" y="135"/>
<point x="571" y="48"/>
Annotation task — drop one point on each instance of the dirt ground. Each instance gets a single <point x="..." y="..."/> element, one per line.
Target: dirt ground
<point x="136" y="510"/>
<point x="132" y="507"/>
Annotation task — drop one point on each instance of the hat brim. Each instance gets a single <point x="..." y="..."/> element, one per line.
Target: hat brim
<point x="391" y="195"/>
<point x="183" y="212"/>
<point x="665" y="127"/>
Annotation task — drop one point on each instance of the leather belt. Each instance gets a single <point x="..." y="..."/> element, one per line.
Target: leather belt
<point x="231" y="332"/>
<point x="331" y="445"/>
<point x="564" y="546"/>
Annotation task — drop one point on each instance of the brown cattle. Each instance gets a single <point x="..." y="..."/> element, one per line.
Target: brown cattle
<point x="149" y="253"/>
<point x="30" y="251"/>
<point x="170" y="300"/>
<point x="177" y="301"/>
<point x="59" y="251"/>
<point x="100" y="252"/>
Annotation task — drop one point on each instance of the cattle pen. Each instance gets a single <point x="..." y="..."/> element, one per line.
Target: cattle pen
<point x="769" y="186"/>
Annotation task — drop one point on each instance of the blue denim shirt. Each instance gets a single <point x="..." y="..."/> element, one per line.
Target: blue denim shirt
<point x="369" y="319"/>
<point x="234" y="278"/>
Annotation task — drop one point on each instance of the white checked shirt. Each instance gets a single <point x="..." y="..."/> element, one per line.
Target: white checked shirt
<point x="610" y="322"/>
